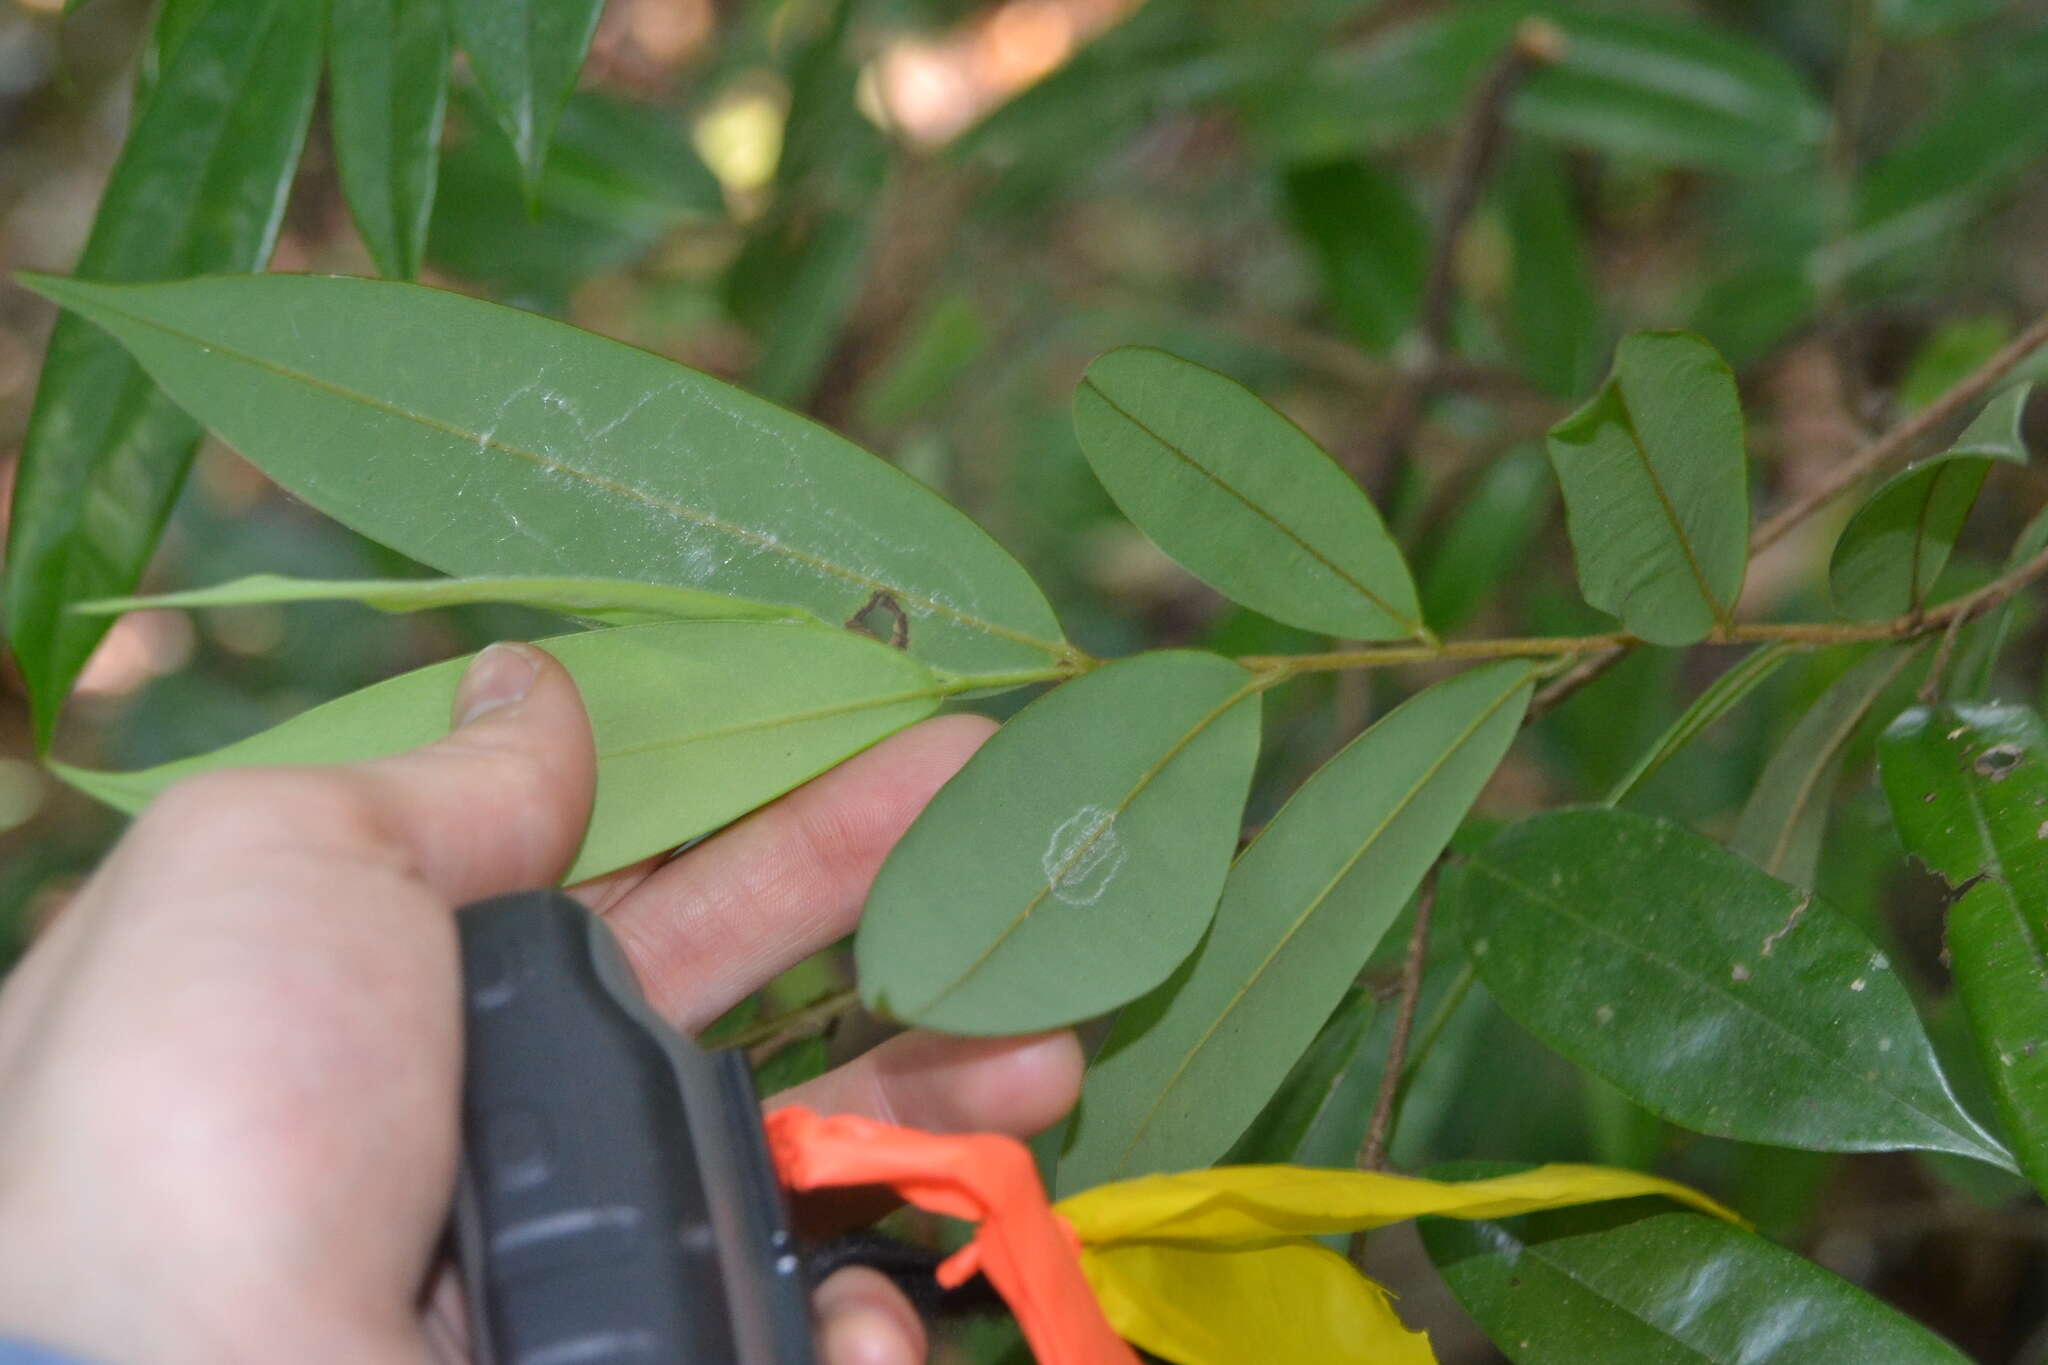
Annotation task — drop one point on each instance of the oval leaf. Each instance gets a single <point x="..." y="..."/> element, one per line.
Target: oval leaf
<point x="1565" y="1289"/>
<point x="1656" y="489"/>
<point x="697" y="723"/>
<point x="526" y="54"/>
<point x="200" y="185"/>
<point x="1968" y="788"/>
<point x="483" y="440"/>
<point x="1786" y="815"/>
<point x="1185" y="1070"/>
<point x="1893" y="550"/>
<point x="1075" y="860"/>
<point x="387" y="66"/>
<point x="1709" y="993"/>
<point x="1242" y="496"/>
<point x="616" y="602"/>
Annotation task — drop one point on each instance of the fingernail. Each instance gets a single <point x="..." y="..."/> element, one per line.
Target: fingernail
<point x="500" y="676"/>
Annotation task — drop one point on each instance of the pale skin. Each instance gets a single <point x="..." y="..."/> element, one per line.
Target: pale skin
<point x="229" y="1068"/>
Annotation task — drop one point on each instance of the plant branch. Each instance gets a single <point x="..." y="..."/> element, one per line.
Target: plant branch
<point x="1372" y="1153"/>
<point x="1537" y="42"/>
<point x="768" y="1036"/>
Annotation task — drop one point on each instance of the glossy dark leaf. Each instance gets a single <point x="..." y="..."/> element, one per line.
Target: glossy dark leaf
<point x="1242" y="496"/>
<point x="387" y="65"/>
<point x="1369" y="243"/>
<point x="1075" y="860"/>
<point x="1666" y="1289"/>
<point x="491" y="442"/>
<point x="1656" y="489"/>
<point x="200" y="186"/>
<point x="1708" y="992"/>
<point x="697" y="723"/>
<point x="525" y="54"/>
<point x="1968" y="788"/>
<point x="1186" y="1069"/>
<point x="1786" y="816"/>
<point x="1893" y="550"/>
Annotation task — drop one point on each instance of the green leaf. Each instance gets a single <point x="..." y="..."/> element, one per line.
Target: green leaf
<point x="1893" y="550"/>
<point x="1075" y="860"/>
<point x="1656" y="89"/>
<point x="1951" y="353"/>
<point x="2033" y="538"/>
<point x="1553" y="314"/>
<point x="1705" y="990"/>
<point x="697" y="723"/>
<point x="1786" y="815"/>
<point x="1656" y="489"/>
<point x="1485" y="542"/>
<point x="387" y="66"/>
<point x="1919" y="18"/>
<point x="525" y="54"/>
<point x="1671" y="1288"/>
<point x="1720" y="697"/>
<point x="1242" y="496"/>
<point x="1969" y="793"/>
<point x="486" y="441"/>
<point x="200" y="185"/>
<point x="1369" y="242"/>
<point x="1188" y="1068"/>
<point x="1311" y="1086"/>
<point x="1950" y="167"/>
<point x="617" y="602"/>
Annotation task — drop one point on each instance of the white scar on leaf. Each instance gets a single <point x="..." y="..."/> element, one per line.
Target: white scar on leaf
<point x="1084" y="856"/>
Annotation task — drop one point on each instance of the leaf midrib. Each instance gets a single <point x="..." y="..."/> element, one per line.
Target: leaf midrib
<point x="1411" y="625"/>
<point x="1315" y="903"/>
<point x="1700" y="984"/>
<point x="1636" y="445"/>
<point x="603" y="482"/>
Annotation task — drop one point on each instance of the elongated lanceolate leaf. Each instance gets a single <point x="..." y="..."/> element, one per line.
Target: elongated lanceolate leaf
<point x="1369" y="242"/>
<point x="1893" y="550"/>
<point x="1711" y="994"/>
<point x="486" y="441"/>
<point x="200" y="185"/>
<point x="1576" y="1289"/>
<point x="1721" y="696"/>
<point x="1075" y="860"/>
<point x="1656" y="489"/>
<point x="1553" y="312"/>
<point x="1311" y="1087"/>
<point x="387" y="65"/>
<point x="697" y="723"/>
<point x="1968" y="788"/>
<point x="526" y="54"/>
<point x="615" y="602"/>
<point x="1242" y="496"/>
<point x="1483" y="545"/>
<point x="1787" y="814"/>
<point x="1186" y="1069"/>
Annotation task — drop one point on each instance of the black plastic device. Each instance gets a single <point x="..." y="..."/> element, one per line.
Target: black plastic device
<point x="617" y="1205"/>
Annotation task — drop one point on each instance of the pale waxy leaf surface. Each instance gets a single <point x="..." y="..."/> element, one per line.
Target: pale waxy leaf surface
<point x="387" y="72"/>
<point x="200" y="185"/>
<point x="1666" y="1289"/>
<point x="1186" y="1069"/>
<point x="697" y="723"/>
<point x="1708" y="992"/>
<point x="1311" y="1087"/>
<point x="526" y="54"/>
<point x="616" y="602"/>
<point x="1786" y="816"/>
<point x="1242" y="497"/>
<point x="486" y="441"/>
<point x="1968" y="788"/>
<point x="1893" y="550"/>
<point x="1717" y="700"/>
<point x="1656" y="489"/>
<point x="1076" y="859"/>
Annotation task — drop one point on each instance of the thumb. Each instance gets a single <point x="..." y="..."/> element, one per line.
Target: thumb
<point x="501" y="803"/>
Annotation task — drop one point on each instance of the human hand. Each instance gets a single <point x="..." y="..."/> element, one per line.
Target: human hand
<point x="230" y="1067"/>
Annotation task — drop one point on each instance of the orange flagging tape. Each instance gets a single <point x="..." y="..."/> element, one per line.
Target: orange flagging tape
<point x="1029" y="1253"/>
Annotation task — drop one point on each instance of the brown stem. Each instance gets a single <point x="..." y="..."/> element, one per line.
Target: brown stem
<point x="769" y="1036"/>
<point x="1536" y="43"/>
<point x="1372" y="1153"/>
